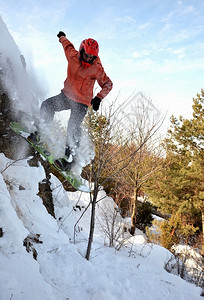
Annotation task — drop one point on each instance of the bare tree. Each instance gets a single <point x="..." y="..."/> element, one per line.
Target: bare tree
<point x="144" y="124"/>
<point x="114" y="150"/>
<point x="112" y="226"/>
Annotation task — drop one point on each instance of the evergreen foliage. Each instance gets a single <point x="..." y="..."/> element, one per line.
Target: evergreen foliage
<point x="144" y="216"/>
<point x="178" y="189"/>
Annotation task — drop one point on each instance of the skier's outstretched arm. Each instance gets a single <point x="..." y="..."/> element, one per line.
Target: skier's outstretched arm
<point x="67" y="45"/>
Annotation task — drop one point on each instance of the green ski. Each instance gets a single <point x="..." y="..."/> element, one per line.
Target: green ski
<point x="41" y="148"/>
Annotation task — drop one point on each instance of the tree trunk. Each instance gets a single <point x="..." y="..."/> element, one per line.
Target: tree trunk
<point x="134" y="212"/>
<point x="92" y="225"/>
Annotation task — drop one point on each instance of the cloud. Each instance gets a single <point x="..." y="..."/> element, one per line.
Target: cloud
<point x="141" y="53"/>
<point x="188" y="10"/>
<point x="135" y="54"/>
<point x="144" y="26"/>
<point x="178" y="52"/>
<point x="126" y="19"/>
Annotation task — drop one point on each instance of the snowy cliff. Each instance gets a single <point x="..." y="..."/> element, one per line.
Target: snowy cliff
<point x="18" y="79"/>
<point x="42" y="257"/>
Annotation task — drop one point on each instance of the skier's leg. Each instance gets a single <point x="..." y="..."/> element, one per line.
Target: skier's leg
<point x="53" y="104"/>
<point x="47" y="111"/>
<point x="78" y="112"/>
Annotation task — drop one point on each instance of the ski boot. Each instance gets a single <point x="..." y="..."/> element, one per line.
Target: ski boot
<point x="62" y="164"/>
<point x="67" y="161"/>
<point x="34" y="137"/>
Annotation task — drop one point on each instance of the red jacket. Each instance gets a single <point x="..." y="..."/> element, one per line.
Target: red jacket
<point x="79" y="83"/>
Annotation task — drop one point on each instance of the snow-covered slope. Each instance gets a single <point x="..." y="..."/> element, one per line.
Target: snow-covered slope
<point x="136" y="272"/>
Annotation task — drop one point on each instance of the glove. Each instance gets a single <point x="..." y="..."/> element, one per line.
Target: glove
<point x="61" y="33"/>
<point x="95" y="102"/>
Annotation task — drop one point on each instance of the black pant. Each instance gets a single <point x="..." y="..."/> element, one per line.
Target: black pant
<point x="78" y="111"/>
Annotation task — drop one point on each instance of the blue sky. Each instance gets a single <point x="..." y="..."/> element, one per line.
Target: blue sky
<point x="152" y="46"/>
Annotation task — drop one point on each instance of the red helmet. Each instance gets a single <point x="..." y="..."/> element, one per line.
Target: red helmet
<point x="90" y="46"/>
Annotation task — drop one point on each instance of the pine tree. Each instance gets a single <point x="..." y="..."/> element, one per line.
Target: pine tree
<point x="179" y="188"/>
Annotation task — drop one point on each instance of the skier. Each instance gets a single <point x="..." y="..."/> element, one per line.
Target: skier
<point x="84" y="69"/>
